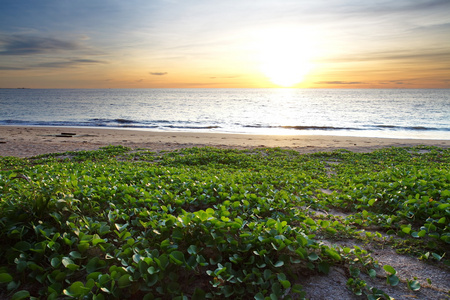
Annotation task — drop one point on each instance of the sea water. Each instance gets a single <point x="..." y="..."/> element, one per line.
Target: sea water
<point x="396" y="113"/>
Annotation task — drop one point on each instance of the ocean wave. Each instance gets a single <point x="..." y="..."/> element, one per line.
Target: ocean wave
<point x="120" y="121"/>
<point x="410" y="128"/>
<point x="304" y="127"/>
<point x="125" y="123"/>
<point x="186" y="125"/>
<point x="337" y="128"/>
<point x="42" y="123"/>
<point x="193" y="127"/>
<point x="319" y="128"/>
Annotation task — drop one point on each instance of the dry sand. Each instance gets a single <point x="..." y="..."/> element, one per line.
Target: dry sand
<point x="29" y="141"/>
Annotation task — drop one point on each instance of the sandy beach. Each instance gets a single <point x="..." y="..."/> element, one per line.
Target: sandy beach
<point x="29" y="141"/>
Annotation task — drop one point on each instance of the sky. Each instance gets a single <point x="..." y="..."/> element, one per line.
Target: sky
<point x="225" y="44"/>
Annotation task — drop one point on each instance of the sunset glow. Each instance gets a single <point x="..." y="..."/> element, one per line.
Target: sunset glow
<point x="285" y="56"/>
<point x="171" y="44"/>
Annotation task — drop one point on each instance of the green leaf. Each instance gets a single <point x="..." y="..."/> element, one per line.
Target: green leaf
<point x="162" y="261"/>
<point x="390" y="232"/>
<point x="333" y="254"/>
<point x="372" y="273"/>
<point x="152" y="280"/>
<point x="267" y="274"/>
<point x="281" y="276"/>
<point x="297" y="288"/>
<point x="73" y="267"/>
<point x="444" y="206"/>
<point x="97" y="241"/>
<point x="69" y="264"/>
<point x="220" y="270"/>
<point x="285" y="283"/>
<point x="301" y="252"/>
<point x="389" y="269"/>
<point x="150" y="296"/>
<point x="5" y="278"/>
<point x="22" y="246"/>
<point x="83" y="247"/>
<point x="75" y="255"/>
<point x="192" y="249"/>
<point x="324" y="267"/>
<point x="124" y="281"/>
<point x="228" y="291"/>
<point x="120" y="227"/>
<point x="76" y="289"/>
<point x="55" y="262"/>
<point x="414" y="285"/>
<point x="67" y="261"/>
<point x="259" y="296"/>
<point x="94" y="275"/>
<point x="177" y="257"/>
<point x="13" y="285"/>
<point x="93" y="265"/>
<point x="313" y="256"/>
<point x="406" y="229"/>
<point x="393" y="280"/>
<point x="278" y="264"/>
<point x="23" y="294"/>
<point x="436" y="256"/>
<point x="276" y="290"/>
<point x="354" y="271"/>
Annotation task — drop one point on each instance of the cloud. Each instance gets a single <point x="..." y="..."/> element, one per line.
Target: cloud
<point x="340" y="82"/>
<point x="374" y="8"/>
<point x="428" y="55"/>
<point x="394" y="82"/>
<point x="441" y="27"/>
<point x="431" y="55"/>
<point x="158" y="73"/>
<point x="2" y="68"/>
<point x="88" y="61"/>
<point x="426" y="5"/>
<point x="69" y="63"/>
<point x="29" y="45"/>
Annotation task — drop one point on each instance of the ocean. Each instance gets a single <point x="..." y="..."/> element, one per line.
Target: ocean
<point x="390" y="113"/>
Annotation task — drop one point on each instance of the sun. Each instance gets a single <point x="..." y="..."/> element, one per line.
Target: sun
<point x="285" y="57"/>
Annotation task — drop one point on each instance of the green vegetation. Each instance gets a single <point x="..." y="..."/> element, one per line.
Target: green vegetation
<point x="207" y="223"/>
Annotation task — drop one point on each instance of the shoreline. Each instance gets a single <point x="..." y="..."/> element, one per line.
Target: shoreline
<point x="27" y="141"/>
